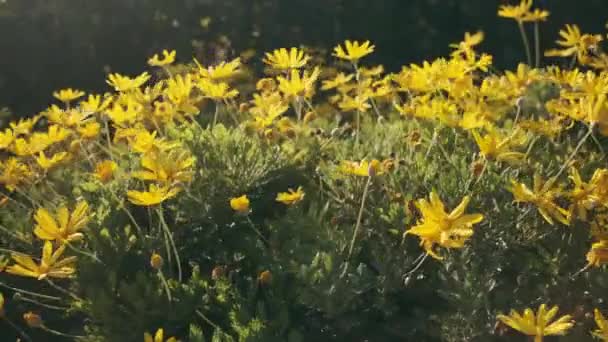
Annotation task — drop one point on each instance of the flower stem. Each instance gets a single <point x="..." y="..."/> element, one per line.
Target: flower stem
<point x="169" y="236"/>
<point x="537" y="44"/>
<point x="257" y="232"/>
<point x="25" y="336"/>
<point x="357" y="225"/>
<point x="524" y="37"/>
<point x="161" y="276"/>
<point x="576" y="149"/>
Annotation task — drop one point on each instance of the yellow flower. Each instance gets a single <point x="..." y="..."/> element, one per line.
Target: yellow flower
<point x="167" y="58"/>
<point x="122" y="83"/>
<point x="240" y="204"/>
<point x="220" y="72"/>
<point x="49" y="163"/>
<point x="538" y="325"/>
<point x="94" y="104"/>
<point x="178" y="92"/>
<point x="283" y="59"/>
<point x="55" y="134"/>
<point x="24" y="126"/>
<point x="67" y="226"/>
<point x="362" y="168"/>
<point x="216" y="91"/>
<point x="6" y="138"/>
<point x="122" y="114"/>
<point x="155" y="195"/>
<point x="104" y="170"/>
<point x="50" y="265"/>
<point x="358" y="103"/>
<point x="292" y="197"/>
<point x="90" y="130"/>
<point x="67" y="95"/>
<point x="543" y="197"/>
<point x="598" y="254"/>
<point x="517" y="12"/>
<point x="339" y="80"/>
<point x="438" y="227"/>
<point x="575" y="43"/>
<point x="354" y="50"/>
<point x="298" y="85"/>
<point x="14" y="173"/>
<point x="602" y="325"/>
<point x="166" y="168"/>
<point x="158" y="337"/>
<point x="470" y="41"/>
<point x="536" y="15"/>
<point x="145" y="142"/>
<point x="584" y="195"/>
<point x="494" y="146"/>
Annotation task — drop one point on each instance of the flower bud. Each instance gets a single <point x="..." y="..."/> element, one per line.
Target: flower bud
<point x="1" y="305"/>
<point x="218" y="272"/>
<point x="32" y="320"/>
<point x="105" y="233"/>
<point x="265" y="278"/>
<point x="310" y="116"/>
<point x="156" y="261"/>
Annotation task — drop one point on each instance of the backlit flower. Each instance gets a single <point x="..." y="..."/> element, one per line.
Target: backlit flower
<point x="68" y="95"/>
<point x="538" y="325"/>
<point x="167" y="58"/>
<point x="602" y="326"/>
<point x="155" y="195"/>
<point x="437" y="227"/>
<point x="353" y="51"/>
<point x="516" y="12"/>
<point x="50" y="266"/>
<point x="49" y="163"/>
<point x="158" y="337"/>
<point x="543" y="197"/>
<point x="122" y="83"/>
<point x="292" y="197"/>
<point x="66" y="226"/>
<point x="283" y="59"/>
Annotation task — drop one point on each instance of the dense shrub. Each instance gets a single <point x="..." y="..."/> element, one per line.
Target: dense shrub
<point x="326" y="200"/>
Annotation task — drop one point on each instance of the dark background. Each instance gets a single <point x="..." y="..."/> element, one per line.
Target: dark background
<point x="50" y="44"/>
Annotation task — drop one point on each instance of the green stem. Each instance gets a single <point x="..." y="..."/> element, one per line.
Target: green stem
<point x="264" y="240"/>
<point x="39" y="295"/>
<point x="171" y="241"/>
<point x="216" y="114"/>
<point x="576" y="149"/>
<point x="165" y="285"/>
<point x="537" y="44"/>
<point x="18" y="330"/>
<point x="64" y="291"/>
<point x="524" y="37"/>
<point x="357" y="225"/>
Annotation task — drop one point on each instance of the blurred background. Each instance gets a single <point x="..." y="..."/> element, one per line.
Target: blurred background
<point x="50" y="44"/>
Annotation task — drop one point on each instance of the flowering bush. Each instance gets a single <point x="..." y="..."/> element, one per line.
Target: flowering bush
<point x="205" y="204"/>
